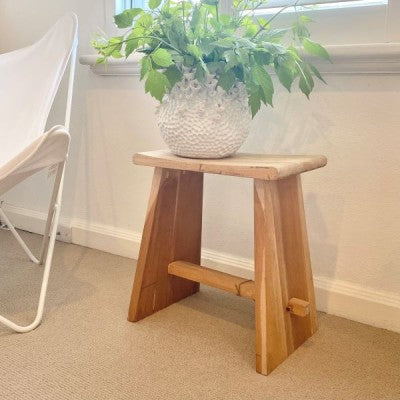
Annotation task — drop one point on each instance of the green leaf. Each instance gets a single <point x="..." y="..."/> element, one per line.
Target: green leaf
<point x="194" y="50"/>
<point x="157" y="84"/>
<point x="226" y="42"/>
<point x="216" y="67"/>
<point x="243" y="55"/>
<point x="162" y="57"/>
<point x="200" y="73"/>
<point x="226" y="80"/>
<point x="315" y="49"/>
<point x="189" y="60"/>
<point x="300" y="30"/>
<point x="305" y="19"/>
<point x="245" y="42"/>
<point x="250" y="28"/>
<point x="125" y="19"/>
<point x="306" y="83"/>
<point x="196" y="15"/>
<point x="176" y="57"/>
<point x="262" y="78"/>
<point x="146" y="66"/>
<point x="273" y="35"/>
<point x="316" y="73"/>
<point x="231" y="59"/>
<point x="274" y="48"/>
<point x="254" y="103"/>
<point x="206" y="46"/>
<point x="262" y="57"/>
<point x="113" y="46"/>
<point x="173" y="75"/>
<point x="239" y="73"/>
<point x="144" y="21"/>
<point x="226" y="20"/>
<point x="132" y="44"/>
<point x="154" y="4"/>
<point x="285" y="67"/>
<point x="285" y="76"/>
<point x="116" y="54"/>
<point x="175" y="34"/>
<point x="294" y="53"/>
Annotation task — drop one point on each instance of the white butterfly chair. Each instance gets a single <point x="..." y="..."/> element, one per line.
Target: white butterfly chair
<point x="29" y="80"/>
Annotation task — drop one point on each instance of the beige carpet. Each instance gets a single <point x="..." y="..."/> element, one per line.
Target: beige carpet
<point x="200" y="348"/>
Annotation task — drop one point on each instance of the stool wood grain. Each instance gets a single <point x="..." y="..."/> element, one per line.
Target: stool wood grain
<point x="169" y="269"/>
<point x="172" y="231"/>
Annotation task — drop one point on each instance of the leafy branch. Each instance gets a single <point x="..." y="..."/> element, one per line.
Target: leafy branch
<point x="180" y="35"/>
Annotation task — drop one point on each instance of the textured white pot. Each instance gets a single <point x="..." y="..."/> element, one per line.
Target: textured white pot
<point x="202" y="120"/>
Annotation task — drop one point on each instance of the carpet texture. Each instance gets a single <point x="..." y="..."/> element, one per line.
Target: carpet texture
<point x="199" y="348"/>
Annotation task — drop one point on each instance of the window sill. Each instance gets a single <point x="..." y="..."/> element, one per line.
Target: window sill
<point x="114" y="67"/>
<point x="375" y="58"/>
<point x="325" y="7"/>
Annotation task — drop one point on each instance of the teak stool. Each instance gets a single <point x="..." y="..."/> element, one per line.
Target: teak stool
<point x="168" y="267"/>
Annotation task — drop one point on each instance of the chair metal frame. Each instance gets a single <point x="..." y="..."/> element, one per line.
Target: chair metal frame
<point x="50" y="233"/>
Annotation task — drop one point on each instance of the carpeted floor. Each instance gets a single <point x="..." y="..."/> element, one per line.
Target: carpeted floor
<point x="200" y="348"/>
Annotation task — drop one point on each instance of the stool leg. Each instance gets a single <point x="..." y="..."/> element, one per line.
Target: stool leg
<point x="172" y="231"/>
<point x="282" y="271"/>
<point x="297" y="256"/>
<point x="273" y="343"/>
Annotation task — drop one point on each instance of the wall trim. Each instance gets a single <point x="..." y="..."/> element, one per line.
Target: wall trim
<point x="35" y="221"/>
<point x="372" y="58"/>
<point x="344" y="299"/>
<point x="114" y="67"/>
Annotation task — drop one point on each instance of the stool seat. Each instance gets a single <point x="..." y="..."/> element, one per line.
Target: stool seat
<point x="169" y="264"/>
<point x="257" y="166"/>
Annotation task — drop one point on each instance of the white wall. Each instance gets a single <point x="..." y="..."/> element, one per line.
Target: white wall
<point x="352" y="205"/>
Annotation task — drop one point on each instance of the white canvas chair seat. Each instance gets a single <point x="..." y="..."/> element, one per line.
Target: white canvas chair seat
<point x="29" y="80"/>
<point x="49" y="149"/>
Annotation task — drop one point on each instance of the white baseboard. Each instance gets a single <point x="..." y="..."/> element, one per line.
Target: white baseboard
<point x="344" y="299"/>
<point x="35" y="221"/>
<point x="106" y="238"/>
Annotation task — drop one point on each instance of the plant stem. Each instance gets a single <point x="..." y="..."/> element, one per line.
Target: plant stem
<point x="250" y="12"/>
<point x="183" y="17"/>
<point x="146" y="37"/>
<point x="272" y="18"/>
<point x="205" y="20"/>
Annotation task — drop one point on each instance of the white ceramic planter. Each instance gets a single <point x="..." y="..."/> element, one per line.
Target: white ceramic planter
<point x="202" y="120"/>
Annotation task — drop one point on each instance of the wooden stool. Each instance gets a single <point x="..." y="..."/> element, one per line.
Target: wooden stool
<point x="168" y="267"/>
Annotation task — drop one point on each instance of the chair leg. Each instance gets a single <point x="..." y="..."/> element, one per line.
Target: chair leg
<point x="52" y="229"/>
<point x="10" y="226"/>
<point x="50" y="216"/>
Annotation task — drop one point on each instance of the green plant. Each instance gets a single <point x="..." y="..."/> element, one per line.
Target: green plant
<point x="238" y="47"/>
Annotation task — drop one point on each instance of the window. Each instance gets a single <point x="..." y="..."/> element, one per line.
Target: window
<point x="122" y="5"/>
<point x="342" y="21"/>
<point x="274" y="6"/>
<point x="283" y="3"/>
<point x="338" y="21"/>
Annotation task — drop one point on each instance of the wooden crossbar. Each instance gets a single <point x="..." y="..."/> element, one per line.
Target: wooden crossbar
<point x="230" y="283"/>
<point x="298" y="307"/>
<point x="220" y="280"/>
